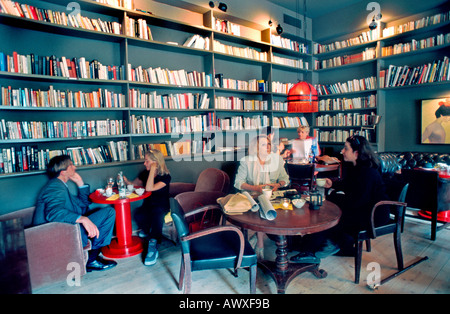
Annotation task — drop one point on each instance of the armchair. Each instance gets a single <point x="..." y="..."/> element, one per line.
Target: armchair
<point x="211" y="248"/>
<point x="50" y="248"/>
<point x="210" y="179"/>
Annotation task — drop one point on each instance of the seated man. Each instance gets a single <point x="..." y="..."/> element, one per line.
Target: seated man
<point x="56" y="204"/>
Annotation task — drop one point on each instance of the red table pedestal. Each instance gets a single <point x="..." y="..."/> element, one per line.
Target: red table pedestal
<point x="441" y="216"/>
<point x="124" y="245"/>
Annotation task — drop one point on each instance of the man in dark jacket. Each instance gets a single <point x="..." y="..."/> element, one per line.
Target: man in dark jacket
<point x="56" y="204"/>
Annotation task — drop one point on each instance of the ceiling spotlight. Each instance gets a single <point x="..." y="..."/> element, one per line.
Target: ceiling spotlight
<point x="222" y="7"/>
<point x="373" y="25"/>
<point x="270" y="22"/>
<point x="211" y="4"/>
<point x="279" y="29"/>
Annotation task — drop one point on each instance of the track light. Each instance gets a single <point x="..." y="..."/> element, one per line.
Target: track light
<point x="279" y="29"/>
<point x="373" y="25"/>
<point x="270" y="22"/>
<point x="222" y="6"/>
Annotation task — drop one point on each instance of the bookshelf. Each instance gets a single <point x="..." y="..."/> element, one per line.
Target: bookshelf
<point x="386" y="65"/>
<point x="121" y="81"/>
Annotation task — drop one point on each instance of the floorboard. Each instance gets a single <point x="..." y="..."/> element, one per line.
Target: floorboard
<point x="429" y="277"/>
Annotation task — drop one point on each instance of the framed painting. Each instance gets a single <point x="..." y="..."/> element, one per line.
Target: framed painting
<point x="435" y="118"/>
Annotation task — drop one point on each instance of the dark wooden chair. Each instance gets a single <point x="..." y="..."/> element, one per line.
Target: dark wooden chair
<point x="301" y="176"/>
<point x="211" y="248"/>
<point x="395" y="227"/>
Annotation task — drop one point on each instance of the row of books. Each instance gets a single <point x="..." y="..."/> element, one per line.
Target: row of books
<point x="126" y="4"/>
<point x="142" y="124"/>
<point x="51" y="98"/>
<point x="151" y="100"/>
<point x="354" y="85"/>
<point x="246" y="52"/>
<point x="137" y="28"/>
<point x="59" y="18"/>
<point x="226" y="26"/>
<point x="30" y="158"/>
<point x="289" y="122"/>
<point x="287" y="43"/>
<point x="179" y="148"/>
<point x="280" y="106"/>
<point x="59" y="66"/>
<point x="367" y="54"/>
<point x="348" y="103"/>
<point x="388" y="31"/>
<point x="236" y="103"/>
<point x="14" y="130"/>
<point x="342" y="135"/>
<point x="414" y="45"/>
<point x="197" y="41"/>
<point x="296" y="63"/>
<point x="250" y="85"/>
<point x="341" y="119"/>
<point x="417" y="24"/>
<point x="364" y="37"/>
<point x="282" y="88"/>
<point x="436" y="71"/>
<point x="172" y="77"/>
<point x="238" y="123"/>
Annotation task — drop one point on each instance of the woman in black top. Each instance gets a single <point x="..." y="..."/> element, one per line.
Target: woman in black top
<point x="150" y="216"/>
<point x="359" y="190"/>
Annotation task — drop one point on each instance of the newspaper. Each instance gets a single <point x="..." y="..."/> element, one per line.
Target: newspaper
<point x="255" y="206"/>
<point x="301" y="148"/>
<point x="266" y="211"/>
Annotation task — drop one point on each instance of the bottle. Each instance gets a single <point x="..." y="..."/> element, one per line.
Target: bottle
<point x="121" y="185"/>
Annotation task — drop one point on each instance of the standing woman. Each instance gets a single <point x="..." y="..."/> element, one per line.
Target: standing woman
<point x="150" y="216"/>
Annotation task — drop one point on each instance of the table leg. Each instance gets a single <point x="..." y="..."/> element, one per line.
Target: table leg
<point x="282" y="271"/>
<point x="124" y="245"/>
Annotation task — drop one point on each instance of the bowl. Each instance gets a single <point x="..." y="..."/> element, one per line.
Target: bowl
<point x="139" y="191"/>
<point x="298" y="202"/>
<point x="321" y="182"/>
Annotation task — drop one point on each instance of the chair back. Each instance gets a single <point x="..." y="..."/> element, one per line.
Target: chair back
<point x="213" y="179"/>
<point x="301" y="175"/>
<point x="181" y="225"/>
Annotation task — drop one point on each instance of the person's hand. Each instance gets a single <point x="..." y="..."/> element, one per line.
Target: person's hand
<point x="89" y="226"/>
<point x="76" y="178"/>
<point x="328" y="183"/>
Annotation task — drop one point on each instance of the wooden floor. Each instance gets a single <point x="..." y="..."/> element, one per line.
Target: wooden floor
<point x="430" y="277"/>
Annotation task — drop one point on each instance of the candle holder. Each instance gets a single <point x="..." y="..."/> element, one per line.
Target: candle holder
<point x="285" y="203"/>
<point x="315" y="200"/>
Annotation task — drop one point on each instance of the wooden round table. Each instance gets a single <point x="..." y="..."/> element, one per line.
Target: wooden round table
<point x="125" y="245"/>
<point x="301" y="221"/>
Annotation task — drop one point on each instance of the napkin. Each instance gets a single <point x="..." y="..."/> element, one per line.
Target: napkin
<point x="113" y="197"/>
<point x="132" y="195"/>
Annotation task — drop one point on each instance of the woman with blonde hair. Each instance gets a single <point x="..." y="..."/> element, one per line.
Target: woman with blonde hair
<point x="150" y="216"/>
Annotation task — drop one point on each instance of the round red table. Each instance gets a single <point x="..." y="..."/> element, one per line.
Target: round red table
<point x="125" y="244"/>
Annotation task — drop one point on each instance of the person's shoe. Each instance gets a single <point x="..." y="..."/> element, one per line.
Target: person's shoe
<point x="100" y="264"/>
<point x="152" y="253"/>
<point x="306" y="258"/>
<point x="328" y="249"/>
<point x="142" y="234"/>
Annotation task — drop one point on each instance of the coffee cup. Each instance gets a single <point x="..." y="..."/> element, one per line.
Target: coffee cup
<point x="108" y="192"/>
<point x="267" y="192"/>
<point x="130" y="187"/>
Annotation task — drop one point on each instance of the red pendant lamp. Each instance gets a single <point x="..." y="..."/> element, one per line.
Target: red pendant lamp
<point x="302" y="97"/>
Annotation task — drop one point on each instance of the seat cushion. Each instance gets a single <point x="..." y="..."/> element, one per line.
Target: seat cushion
<point x="219" y="250"/>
